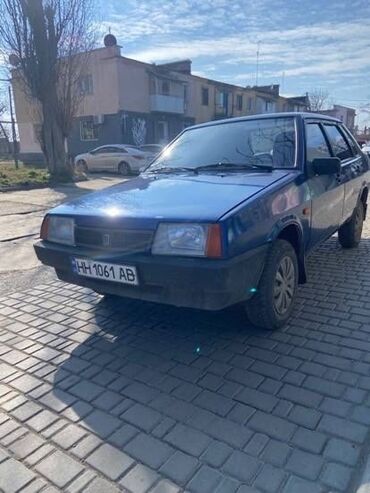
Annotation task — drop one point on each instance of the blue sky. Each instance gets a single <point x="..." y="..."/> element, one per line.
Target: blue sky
<point x="315" y="43"/>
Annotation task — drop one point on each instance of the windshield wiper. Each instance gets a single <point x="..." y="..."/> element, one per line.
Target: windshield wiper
<point x="236" y="166"/>
<point x="172" y="169"/>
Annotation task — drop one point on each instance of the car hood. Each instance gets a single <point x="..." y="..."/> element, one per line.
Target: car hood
<point x="203" y="197"/>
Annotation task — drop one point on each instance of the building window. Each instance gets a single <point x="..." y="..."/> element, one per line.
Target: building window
<point x="249" y="104"/>
<point x="165" y="88"/>
<point x="239" y="102"/>
<point x="269" y="106"/>
<point x="85" y="84"/>
<point x="205" y="96"/>
<point x="88" y="130"/>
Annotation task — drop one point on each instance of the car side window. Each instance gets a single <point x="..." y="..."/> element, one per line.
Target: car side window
<point x="316" y="145"/>
<point x="338" y="143"/>
<point x="351" y="141"/>
<point x="102" y="150"/>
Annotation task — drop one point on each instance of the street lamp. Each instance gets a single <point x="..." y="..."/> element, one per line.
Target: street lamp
<point x="12" y="122"/>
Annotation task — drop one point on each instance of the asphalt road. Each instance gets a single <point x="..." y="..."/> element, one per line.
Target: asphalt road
<point x="21" y="214"/>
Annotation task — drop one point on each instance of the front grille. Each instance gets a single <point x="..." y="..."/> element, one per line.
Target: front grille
<point x="122" y="240"/>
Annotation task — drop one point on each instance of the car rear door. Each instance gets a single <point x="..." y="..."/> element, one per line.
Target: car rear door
<point x="327" y="191"/>
<point x="353" y="169"/>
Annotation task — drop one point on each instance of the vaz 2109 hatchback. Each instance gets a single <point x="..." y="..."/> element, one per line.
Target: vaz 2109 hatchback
<point x="226" y="214"/>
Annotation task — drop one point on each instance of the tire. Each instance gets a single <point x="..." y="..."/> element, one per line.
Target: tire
<point x="81" y="165"/>
<point x="267" y="309"/>
<point x="124" y="169"/>
<point x="349" y="235"/>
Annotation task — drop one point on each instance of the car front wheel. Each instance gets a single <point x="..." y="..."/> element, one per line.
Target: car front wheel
<point x="124" y="169"/>
<point x="349" y="235"/>
<point x="272" y="304"/>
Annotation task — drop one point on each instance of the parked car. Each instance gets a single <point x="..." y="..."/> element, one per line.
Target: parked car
<point x="366" y="149"/>
<point x="123" y="159"/>
<point x="152" y="150"/>
<point x="226" y="215"/>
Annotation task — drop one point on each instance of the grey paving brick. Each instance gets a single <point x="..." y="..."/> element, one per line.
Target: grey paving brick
<point x="305" y="464"/>
<point x="312" y="441"/>
<point x="100" y="485"/>
<point x="257" y="399"/>
<point x="300" y="396"/>
<point x="26" y="445"/>
<point x="269" y="478"/>
<point x="38" y="454"/>
<point x="343" y="428"/>
<point x="149" y="450"/>
<point x="70" y="435"/>
<point x="165" y="486"/>
<point x="163" y="427"/>
<point x="27" y="410"/>
<point x="216" y="454"/>
<point x="123" y="435"/>
<point x="337" y="407"/>
<point x="305" y="416"/>
<point x="241" y="466"/>
<point x="276" y="453"/>
<point x="342" y="451"/>
<point x="180" y="467"/>
<point x="205" y="480"/>
<point x="188" y="440"/>
<point x="298" y="485"/>
<point x="42" y="420"/>
<point x="88" y="391"/>
<point x="110" y="461"/>
<point x="79" y="484"/>
<point x="59" y="468"/>
<point x="35" y="486"/>
<point x="142" y="416"/>
<point x="83" y="448"/>
<point x="241" y="413"/>
<point x="58" y="400"/>
<point x="256" y="444"/>
<point x="14" y="475"/>
<point x="101" y="423"/>
<point x="214" y="402"/>
<point x="26" y="383"/>
<point x="336" y="476"/>
<point x="139" y="479"/>
<point x="7" y="427"/>
<point x="272" y="426"/>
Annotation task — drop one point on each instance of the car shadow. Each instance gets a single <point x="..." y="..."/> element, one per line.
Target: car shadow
<point x="130" y="353"/>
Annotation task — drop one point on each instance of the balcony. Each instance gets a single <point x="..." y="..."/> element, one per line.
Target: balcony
<point x="166" y="104"/>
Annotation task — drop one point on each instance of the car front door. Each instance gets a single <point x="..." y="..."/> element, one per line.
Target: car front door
<point x="99" y="160"/>
<point x="327" y="191"/>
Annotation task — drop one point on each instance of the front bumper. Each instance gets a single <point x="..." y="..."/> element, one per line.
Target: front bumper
<point x="208" y="284"/>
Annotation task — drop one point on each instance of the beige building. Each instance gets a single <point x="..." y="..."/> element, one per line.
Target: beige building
<point x="128" y="101"/>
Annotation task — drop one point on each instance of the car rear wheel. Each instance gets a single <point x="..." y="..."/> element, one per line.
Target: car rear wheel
<point x="82" y="166"/>
<point x="273" y="302"/>
<point x="349" y="234"/>
<point x="124" y="169"/>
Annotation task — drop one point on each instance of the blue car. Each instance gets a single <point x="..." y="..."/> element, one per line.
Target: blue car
<point x="226" y="214"/>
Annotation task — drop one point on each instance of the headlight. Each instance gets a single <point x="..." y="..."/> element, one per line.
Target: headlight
<point x="195" y="240"/>
<point x="58" y="229"/>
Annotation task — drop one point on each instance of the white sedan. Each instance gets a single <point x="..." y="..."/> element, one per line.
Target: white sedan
<point x="124" y="159"/>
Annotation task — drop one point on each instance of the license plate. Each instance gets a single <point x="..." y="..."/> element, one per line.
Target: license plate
<point x="125" y="274"/>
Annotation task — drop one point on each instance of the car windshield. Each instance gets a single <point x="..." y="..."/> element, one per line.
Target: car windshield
<point x="269" y="142"/>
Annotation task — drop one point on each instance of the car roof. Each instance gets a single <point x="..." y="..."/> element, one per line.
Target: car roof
<point x="266" y="116"/>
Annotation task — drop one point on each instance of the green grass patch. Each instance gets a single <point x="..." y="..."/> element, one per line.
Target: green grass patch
<point x="26" y="175"/>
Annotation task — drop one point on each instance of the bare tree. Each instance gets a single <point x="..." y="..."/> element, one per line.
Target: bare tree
<point x="318" y="99"/>
<point x="3" y="127"/>
<point x="50" y="40"/>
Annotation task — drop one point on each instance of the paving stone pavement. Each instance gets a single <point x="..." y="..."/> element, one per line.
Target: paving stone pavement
<point x="105" y="396"/>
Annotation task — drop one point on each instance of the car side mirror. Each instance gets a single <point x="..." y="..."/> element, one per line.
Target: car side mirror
<point x="323" y="166"/>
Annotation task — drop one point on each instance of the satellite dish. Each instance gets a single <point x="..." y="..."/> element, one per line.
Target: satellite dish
<point x="14" y="60"/>
<point x="110" y="40"/>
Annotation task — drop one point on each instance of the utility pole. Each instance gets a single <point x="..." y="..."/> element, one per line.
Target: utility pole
<point x="257" y="61"/>
<point x="14" y="135"/>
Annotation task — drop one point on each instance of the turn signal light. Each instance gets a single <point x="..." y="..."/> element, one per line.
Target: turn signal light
<point x="214" y="246"/>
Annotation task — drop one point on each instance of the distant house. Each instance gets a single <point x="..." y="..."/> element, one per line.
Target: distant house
<point x="343" y="113"/>
<point x="128" y="101"/>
